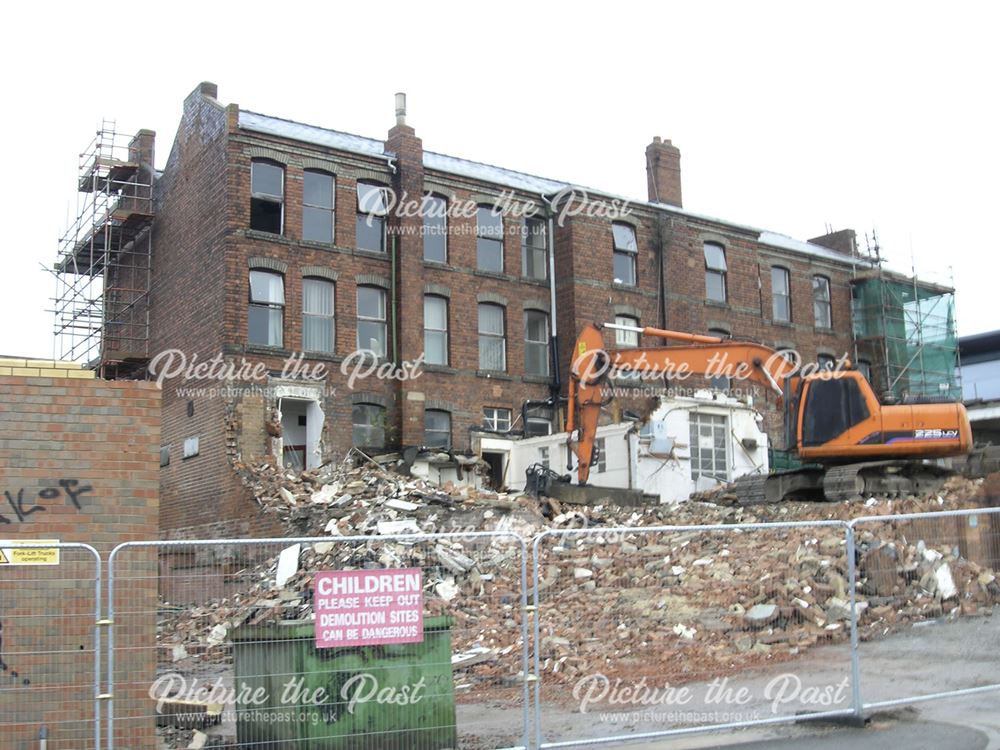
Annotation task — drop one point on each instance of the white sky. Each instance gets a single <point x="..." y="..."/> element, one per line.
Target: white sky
<point x="789" y="116"/>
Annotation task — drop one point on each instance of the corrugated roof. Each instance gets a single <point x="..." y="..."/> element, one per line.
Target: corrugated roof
<point x="489" y="173"/>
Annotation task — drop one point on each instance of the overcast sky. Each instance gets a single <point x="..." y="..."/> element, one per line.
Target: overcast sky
<point x="789" y="116"/>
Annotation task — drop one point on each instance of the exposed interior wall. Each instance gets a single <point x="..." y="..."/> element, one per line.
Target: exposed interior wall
<point x="665" y="464"/>
<point x="657" y="460"/>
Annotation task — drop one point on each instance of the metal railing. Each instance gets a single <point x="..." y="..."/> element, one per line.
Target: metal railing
<point x="50" y="644"/>
<point x="930" y="587"/>
<point x="244" y="617"/>
<point x="619" y="634"/>
<point x="659" y="591"/>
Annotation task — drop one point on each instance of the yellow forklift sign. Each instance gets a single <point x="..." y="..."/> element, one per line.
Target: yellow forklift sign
<point x="13" y="553"/>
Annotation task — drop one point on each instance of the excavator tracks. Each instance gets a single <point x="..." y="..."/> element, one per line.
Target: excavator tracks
<point x="885" y="478"/>
<point x="851" y="483"/>
<point x="773" y="488"/>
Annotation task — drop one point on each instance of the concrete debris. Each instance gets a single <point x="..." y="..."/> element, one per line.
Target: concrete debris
<point x="759" y="614"/>
<point x="288" y="565"/>
<point x="446" y="589"/>
<point x="684" y="632"/>
<point x="403" y="526"/>
<point x="945" y="583"/>
<point x="473" y="656"/>
<point x="691" y="605"/>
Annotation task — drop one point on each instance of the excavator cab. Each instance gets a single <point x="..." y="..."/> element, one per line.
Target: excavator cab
<point x="837" y="419"/>
<point x="832" y="404"/>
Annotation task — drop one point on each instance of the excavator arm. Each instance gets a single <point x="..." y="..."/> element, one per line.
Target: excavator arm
<point x="697" y="355"/>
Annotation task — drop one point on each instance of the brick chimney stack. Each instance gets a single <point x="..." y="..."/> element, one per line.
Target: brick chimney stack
<point x="663" y="172"/>
<point x="407" y="242"/>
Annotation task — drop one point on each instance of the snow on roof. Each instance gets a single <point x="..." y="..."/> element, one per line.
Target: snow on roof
<point x="488" y="173"/>
<point x="298" y="131"/>
<point x="811" y="248"/>
<point x="357" y="144"/>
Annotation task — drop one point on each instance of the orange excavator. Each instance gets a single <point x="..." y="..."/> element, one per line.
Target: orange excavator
<point x="853" y="444"/>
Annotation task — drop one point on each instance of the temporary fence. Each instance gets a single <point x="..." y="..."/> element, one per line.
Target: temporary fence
<point x="927" y="587"/>
<point x="50" y="644"/>
<point x="663" y="631"/>
<point x="403" y="641"/>
<point x="448" y="640"/>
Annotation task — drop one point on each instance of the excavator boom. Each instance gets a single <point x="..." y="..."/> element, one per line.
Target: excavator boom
<point x="833" y="418"/>
<point x="700" y="355"/>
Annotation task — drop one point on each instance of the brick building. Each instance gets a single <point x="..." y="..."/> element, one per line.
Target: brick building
<point x="270" y="239"/>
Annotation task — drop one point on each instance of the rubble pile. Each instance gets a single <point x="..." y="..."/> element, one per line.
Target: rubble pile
<point x="371" y="498"/>
<point x="676" y="604"/>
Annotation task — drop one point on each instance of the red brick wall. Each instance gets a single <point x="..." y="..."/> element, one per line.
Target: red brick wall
<point x="201" y="495"/>
<point x="98" y="441"/>
<point x="203" y="255"/>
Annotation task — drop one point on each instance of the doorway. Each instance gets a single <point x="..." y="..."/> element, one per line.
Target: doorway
<point x="301" y="430"/>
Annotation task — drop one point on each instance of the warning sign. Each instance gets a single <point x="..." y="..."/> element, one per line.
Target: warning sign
<point x="13" y="553"/>
<point x="368" y="607"/>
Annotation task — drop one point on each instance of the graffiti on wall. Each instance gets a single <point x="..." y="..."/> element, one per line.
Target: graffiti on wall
<point x="21" y="508"/>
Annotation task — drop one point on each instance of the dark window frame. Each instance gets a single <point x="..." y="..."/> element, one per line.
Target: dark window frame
<point x="434" y="444"/>
<point x="308" y="207"/>
<point x="445" y="331"/>
<point x="485" y="242"/>
<point x="786" y="296"/>
<point x="543" y="345"/>
<point x="626" y="253"/>
<point x="383" y="321"/>
<point x="532" y="251"/>
<point x="332" y="317"/>
<point x="366" y="219"/>
<point x="259" y="199"/>
<point x="832" y="406"/>
<point x="491" y="335"/>
<point x="268" y="305"/>
<point x="428" y="226"/>
<point x="716" y="271"/>
<point x="821" y="302"/>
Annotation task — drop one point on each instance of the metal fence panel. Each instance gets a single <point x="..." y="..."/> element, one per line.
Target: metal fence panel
<point x="927" y="587"/>
<point x="237" y="655"/>
<point x="659" y="631"/>
<point x="50" y="645"/>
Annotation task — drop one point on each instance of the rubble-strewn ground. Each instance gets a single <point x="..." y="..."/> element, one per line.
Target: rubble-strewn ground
<point x="674" y="606"/>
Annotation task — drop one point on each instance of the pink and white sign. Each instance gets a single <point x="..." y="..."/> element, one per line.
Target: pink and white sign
<point x="368" y="607"/>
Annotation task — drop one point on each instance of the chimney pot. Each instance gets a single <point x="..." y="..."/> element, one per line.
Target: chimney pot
<point x="207" y="88"/>
<point x="400" y="108"/>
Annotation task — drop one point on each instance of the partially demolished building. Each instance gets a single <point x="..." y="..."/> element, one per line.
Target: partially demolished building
<point x="276" y="279"/>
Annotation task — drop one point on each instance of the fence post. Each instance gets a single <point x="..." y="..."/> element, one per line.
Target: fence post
<point x="852" y="581"/>
<point x="537" y="674"/>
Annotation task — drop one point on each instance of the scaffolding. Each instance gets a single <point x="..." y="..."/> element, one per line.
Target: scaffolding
<point x="103" y="271"/>
<point x="905" y="332"/>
